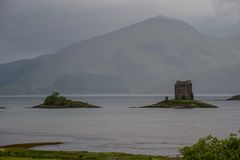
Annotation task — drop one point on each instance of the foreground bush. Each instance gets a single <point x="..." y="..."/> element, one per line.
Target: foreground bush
<point x="212" y="148"/>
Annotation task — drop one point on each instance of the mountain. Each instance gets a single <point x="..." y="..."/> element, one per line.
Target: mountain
<point x="220" y="80"/>
<point x="142" y="58"/>
<point x="233" y="40"/>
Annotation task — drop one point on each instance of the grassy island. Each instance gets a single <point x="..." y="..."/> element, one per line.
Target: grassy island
<point x="184" y="98"/>
<point x="57" y="101"/>
<point x="234" y="98"/>
<point x="180" y="104"/>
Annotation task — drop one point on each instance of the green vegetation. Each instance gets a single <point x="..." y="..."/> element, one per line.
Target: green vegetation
<point x="60" y="155"/>
<point x="21" y="153"/>
<point x="234" y="98"/>
<point x="14" y="158"/>
<point x="57" y="101"/>
<point x="208" y="148"/>
<point x="179" y="104"/>
<point x="212" y="148"/>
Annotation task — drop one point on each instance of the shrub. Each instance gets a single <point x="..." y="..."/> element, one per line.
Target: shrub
<point x="51" y="99"/>
<point x="60" y="101"/>
<point x="212" y="148"/>
<point x="56" y="100"/>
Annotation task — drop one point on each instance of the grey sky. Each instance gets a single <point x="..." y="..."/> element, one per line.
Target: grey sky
<point x="33" y="27"/>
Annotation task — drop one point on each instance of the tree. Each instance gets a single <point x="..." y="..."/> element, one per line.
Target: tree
<point x="212" y="148"/>
<point x="51" y="99"/>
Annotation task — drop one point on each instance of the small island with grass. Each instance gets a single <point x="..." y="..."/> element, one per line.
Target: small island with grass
<point x="183" y="98"/>
<point x="234" y="98"/>
<point x="55" y="101"/>
<point x="180" y="104"/>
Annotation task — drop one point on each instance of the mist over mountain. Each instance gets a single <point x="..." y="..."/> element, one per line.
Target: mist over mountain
<point x="220" y="80"/>
<point x="146" y="57"/>
<point x="234" y="40"/>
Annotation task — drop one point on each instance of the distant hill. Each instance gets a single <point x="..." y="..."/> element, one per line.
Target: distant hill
<point x="145" y="57"/>
<point x="234" y="40"/>
<point x="220" y="80"/>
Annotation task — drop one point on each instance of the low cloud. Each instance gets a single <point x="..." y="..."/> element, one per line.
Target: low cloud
<point x="29" y="28"/>
<point x="228" y="10"/>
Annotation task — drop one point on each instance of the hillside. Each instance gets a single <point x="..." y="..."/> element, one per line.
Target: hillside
<point x="144" y="57"/>
<point x="221" y="80"/>
<point x="233" y="40"/>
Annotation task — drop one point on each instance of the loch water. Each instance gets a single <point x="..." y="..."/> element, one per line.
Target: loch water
<point x="115" y="127"/>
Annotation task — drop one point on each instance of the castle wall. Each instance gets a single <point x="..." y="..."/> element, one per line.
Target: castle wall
<point x="183" y="90"/>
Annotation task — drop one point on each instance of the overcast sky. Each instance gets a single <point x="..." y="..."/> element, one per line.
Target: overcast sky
<point x="29" y="28"/>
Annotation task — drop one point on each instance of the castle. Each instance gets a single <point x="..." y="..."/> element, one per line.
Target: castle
<point x="183" y="90"/>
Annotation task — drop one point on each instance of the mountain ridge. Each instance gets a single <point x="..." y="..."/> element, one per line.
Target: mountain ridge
<point x="134" y="59"/>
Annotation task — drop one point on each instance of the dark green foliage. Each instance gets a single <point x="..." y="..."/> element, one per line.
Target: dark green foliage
<point x="57" y="101"/>
<point x="212" y="148"/>
<point x="51" y="99"/>
<point x="60" y="101"/>
<point x="234" y="98"/>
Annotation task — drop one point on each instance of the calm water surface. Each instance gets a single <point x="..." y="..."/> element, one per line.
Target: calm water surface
<point x="116" y="127"/>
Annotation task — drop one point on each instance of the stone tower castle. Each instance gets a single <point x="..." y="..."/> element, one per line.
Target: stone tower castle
<point x="183" y="90"/>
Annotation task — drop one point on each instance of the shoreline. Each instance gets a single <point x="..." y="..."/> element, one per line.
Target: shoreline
<point x="25" y="150"/>
<point x="30" y="145"/>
